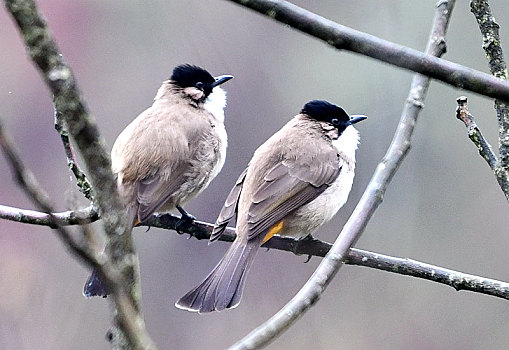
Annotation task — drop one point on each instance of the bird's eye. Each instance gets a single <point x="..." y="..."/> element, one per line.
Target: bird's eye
<point x="335" y="121"/>
<point x="199" y="85"/>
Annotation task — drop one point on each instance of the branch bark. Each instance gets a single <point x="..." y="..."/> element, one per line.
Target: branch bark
<point x="32" y="217"/>
<point x="345" y="38"/>
<point x="474" y="133"/>
<point x="373" y="195"/>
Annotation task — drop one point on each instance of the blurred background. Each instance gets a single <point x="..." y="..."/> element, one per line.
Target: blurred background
<point x="443" y="206"/>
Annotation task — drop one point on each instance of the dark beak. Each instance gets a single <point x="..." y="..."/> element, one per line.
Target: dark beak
<point x="221" y="79"/>
<point x="357" y="118"/>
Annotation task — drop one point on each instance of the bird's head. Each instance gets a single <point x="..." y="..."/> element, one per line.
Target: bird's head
<point x="195" y="82"/>
<point x="324" y="111"/>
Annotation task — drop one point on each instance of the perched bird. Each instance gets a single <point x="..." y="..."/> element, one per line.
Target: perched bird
<point x="172" y="150"/>
<point x="295" y="182"/>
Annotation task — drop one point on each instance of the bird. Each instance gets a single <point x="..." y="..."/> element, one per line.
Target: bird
<point x="295" y="182"/>
<point x="171" y="151"/>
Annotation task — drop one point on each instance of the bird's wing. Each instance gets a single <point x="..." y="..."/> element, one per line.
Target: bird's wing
<point x="290" y="184"/>
<point x="171" y="143"/>
<point x="229" y="209"/>
<point x="153" y="191"/>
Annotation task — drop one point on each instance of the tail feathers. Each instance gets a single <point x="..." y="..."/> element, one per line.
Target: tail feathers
<point x="222" y="288"/>
<point x="94" y="287"/>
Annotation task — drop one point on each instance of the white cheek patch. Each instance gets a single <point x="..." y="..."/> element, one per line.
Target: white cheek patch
<point x="216" y="102"/>
<point x="194" y="93"/>
<point x="347" y="142"/>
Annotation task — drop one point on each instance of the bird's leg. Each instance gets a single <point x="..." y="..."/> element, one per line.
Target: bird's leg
<point x="297" y="245"/>
<point x="185" y="221"/>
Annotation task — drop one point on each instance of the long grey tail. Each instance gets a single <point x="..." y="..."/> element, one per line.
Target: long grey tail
<point x="93" y="286"/>
<point x="222" y="288"/>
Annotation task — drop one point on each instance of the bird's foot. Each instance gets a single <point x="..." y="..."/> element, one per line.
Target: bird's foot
<point x="297" y="247"/>
<point x="185" y="222"/>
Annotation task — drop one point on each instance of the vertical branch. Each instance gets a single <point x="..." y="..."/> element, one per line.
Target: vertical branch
<point x="498" y="67"/>
<point x="371" y="199"/>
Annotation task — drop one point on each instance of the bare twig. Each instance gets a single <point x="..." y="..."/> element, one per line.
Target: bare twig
<point x="81" y="179"/>
<point x="371" y="199"/>
<point x="77" y="217"/>
<point x="82" y="128"/>
<point x="455" y="279"/>
<point x="345" y="38"/>
<point x="474" y="133"/>
<point x="493" y="49"/>
<point x="314" y="247"/>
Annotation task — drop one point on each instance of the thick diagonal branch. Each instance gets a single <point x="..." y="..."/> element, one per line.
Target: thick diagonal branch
<point x="369" y="202"/>
<point x="345" y="38"/>
<point x="82" y="127"/>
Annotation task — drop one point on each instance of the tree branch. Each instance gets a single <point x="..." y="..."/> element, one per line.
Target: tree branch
<point x="82" y="127"/>
<point x="474" y="133"/>
<point x="371" y="199"/>
<point x="81" y="179"/>
<point x="72" y="217"/>
<point x="314" y="247"/>
<point x="345" y="38"/>
<point x="405" y="266"/>
<point x="493" y="49"/>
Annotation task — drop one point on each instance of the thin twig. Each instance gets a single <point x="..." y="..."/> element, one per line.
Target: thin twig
<point x="498" y="67"/>
<point x="474" y="133"/>
<point x="404" y="266"/>
<point x="71" y="217"/>
<point x="314" y="247"/>
<point x="81" y="179"/>
<point x="371" y="199"/>
<point x="345" y="38"/>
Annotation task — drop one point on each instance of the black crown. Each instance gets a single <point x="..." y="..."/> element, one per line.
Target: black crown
<point x="187" y="75"/>
<point x="324" y="111"/>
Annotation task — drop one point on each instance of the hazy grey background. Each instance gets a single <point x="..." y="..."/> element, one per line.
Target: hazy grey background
<point x="443" y="206"/>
